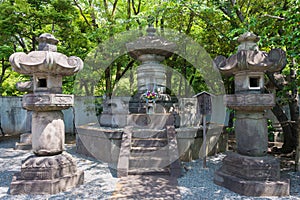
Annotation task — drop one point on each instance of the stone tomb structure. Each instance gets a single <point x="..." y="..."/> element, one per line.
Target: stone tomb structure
<point x="250" y="171"/>
<point x="141" y="134"/>
<point x="50" y="170"/>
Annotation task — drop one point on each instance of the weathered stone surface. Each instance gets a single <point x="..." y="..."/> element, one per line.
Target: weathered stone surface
<point x="25" y="86"/>
<point x="113" y="120"/>
<point x="252" y="176"/>
<point x="25" y="142"/>
<point x="249" y="58"/>
<point x="91" y="138"/>
<point x="45" y="62"/>
<point x="152" y="121"/>
<point x="188" y="112"/>
<point x="52" y="171"/>
<point x="249" y="82"/>
<point x="47" y="102"/>
<point x="151" y="50"/>
<point x="250" y="172"/>
<point x="150" y="44"/>
<point x="250" y="102"/>
<point x="46" y="175"/>
<point x="251" y="133"/>
<point x="264" y="168"/>
<point x="48" y="131"/>
<point x="252" y="187"/>
<point x="123" y="161"/>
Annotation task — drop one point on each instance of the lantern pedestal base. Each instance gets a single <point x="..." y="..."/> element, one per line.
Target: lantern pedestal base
<point x="46" y="175"/>
<point x="252" y="176"/>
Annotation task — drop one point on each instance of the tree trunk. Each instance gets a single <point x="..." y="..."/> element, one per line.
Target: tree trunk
<point x="108" y="82"/>
<point x="290" y="142"/>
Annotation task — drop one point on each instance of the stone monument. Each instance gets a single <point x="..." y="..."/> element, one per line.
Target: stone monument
<point x="50" y="170"/>
<point x="250" y="171"/>
<point x="150" y="50"/>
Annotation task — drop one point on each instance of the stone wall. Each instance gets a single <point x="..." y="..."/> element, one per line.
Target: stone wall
<point x="15" y="120"/>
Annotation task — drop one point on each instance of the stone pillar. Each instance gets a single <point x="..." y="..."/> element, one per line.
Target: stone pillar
<point x="50" y="170"/>
<point x="250" y="171"/>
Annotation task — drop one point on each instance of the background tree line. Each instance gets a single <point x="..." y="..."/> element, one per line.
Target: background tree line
<point x="81" y="25"/>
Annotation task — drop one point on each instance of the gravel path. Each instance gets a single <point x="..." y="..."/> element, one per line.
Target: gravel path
<point x="100" y="178"/>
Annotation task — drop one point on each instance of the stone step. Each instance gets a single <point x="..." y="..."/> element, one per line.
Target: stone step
<point x="146" y="150"/>
<point x="149" y="171"/>
<point x="144" y="153"/>
<point x="149" y="142"/>
<point x="148" y="162"/>
<point x="148" y="133"/>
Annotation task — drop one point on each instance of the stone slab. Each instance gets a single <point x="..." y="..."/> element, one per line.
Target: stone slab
<point x="19" y="186"/>
<point x="47" y="102"/>
<point x="251" y="187"/>
<point x="252" y="176"/>
<point x="264" y="168"/>
<point x="249" y="102"/>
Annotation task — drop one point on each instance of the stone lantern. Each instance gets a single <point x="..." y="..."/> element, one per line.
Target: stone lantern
<point x="251" y="171"/>
<point x="49" y="170"/>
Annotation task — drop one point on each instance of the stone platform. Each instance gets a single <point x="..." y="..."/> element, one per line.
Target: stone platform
<point x="252" y="176"/>
<point x="46" y="175"/>
<point x="104" y="143"/>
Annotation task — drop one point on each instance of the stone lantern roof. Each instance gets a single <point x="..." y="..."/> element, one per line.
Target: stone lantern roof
<point x="46" y="60"/>
<point x="150" y="44"/>
<point x="250" y="59"/>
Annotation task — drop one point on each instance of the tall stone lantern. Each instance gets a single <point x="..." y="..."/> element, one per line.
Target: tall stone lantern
<point x="50" y="170"/>
<point x="250" y="171"/>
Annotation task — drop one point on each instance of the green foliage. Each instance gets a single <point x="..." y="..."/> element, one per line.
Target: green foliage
<point x="82" y="25"/>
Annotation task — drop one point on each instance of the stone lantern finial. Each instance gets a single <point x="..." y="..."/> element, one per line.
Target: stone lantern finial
<point x="47" y="42"/>
<point x="248" y="41"/>
<point x="150" y="30"/>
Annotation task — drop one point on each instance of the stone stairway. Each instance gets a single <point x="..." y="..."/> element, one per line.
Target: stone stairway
<point x="149" y="155"/>
<point x="149" y="152"/>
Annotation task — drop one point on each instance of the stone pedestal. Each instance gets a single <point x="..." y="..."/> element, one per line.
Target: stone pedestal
<point x="46" y="175"/>
<point x="252" y="176"/>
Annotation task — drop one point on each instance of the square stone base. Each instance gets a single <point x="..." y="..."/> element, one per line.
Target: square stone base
<point x="46" y="175"/>
<point x="252" y="176"/>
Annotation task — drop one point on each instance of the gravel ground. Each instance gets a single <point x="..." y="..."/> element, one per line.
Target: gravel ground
<point x="100" y="178"/>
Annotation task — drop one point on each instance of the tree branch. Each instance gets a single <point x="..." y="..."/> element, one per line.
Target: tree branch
<point x="114" y="8"/>
<point x="134" y="9"/>
<point x="237" y="11"/>
<point x="81" y="12"/>
<point x="274" y="17"/>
